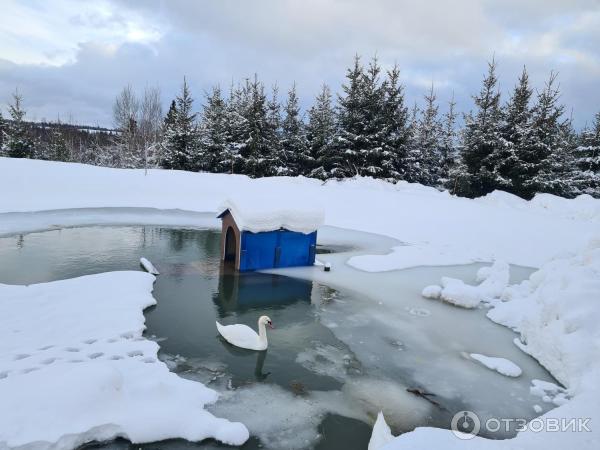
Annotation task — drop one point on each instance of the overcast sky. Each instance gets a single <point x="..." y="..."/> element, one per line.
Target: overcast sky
<point x="70" y="58"/>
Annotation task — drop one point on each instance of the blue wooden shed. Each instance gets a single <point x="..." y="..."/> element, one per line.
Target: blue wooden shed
<point x="267" y="245"/>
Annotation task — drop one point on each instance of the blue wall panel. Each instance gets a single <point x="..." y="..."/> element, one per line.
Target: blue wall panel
<point x="281" y="248"/>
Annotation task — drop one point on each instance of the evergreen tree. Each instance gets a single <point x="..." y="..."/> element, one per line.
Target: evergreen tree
<point x="2" y="131"/>
<point x="255" y="151"/>
<point x="586" y="169"/>
<point x="350" y="138"/>
<point x="512" y="169"/>
<point x="180" y="138"/>
<point x="236" y="125"/>
<point x="214" y="139"/>
<point x="372" y="149"/>
<point x="395" y="132"/>
<point x="410" y="165"/>
<point x="18" y="141"/>
<point x="274" y="132"/>
<point x="320" y="133"/>
<point x="547" y="149"/>
<point x="448" y="148"/>
<point x="483" y="141"/>
<point x="429" y="134"/>
<point x="296" y="157"/>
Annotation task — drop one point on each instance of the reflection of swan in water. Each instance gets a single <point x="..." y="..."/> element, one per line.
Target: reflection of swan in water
<point x="260" y="362"/>
<point x="260" y="359"/>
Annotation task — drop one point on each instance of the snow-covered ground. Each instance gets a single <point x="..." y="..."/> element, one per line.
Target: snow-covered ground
<point x="74" y="367"/>
<point x="432" y="227"/>
<point x="556" y="312"/>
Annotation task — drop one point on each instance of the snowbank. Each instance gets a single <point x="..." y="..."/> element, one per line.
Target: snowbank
<point x="267" y="213"/>
<point x="494" y="280"/>
<point x="74" y="368"/>
<point x="434" y="227"/>
<point x="556" y="312"/>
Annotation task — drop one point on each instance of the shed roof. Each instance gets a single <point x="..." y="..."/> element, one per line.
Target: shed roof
<point x="268" y="213"/>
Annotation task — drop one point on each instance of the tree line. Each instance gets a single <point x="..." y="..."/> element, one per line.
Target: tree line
<point x="522" y="145"/>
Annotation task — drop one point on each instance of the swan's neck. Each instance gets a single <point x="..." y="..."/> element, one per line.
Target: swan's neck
<point x="262" y="332"/>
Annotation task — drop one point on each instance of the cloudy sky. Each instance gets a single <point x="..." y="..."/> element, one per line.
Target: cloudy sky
<point x="70" y="58"/>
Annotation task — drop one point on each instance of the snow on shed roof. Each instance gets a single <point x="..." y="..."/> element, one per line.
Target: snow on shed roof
<point x="262" y="213"/>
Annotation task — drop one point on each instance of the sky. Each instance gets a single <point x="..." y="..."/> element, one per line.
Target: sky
<point x="69" y="58"/>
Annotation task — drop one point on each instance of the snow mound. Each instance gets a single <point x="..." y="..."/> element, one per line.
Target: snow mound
<point x="381" y="433"/>
<point x="501" y="365"/>
<point x="148" y="266"/>
<point x="494" y="280"/>
<point x="74" y="368"/>
<point x="258" y="213"/>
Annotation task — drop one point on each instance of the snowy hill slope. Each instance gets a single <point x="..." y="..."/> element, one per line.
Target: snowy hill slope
<point x="435" y="227"/>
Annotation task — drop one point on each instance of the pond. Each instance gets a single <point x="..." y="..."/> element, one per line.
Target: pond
<point x="334" y="359"/>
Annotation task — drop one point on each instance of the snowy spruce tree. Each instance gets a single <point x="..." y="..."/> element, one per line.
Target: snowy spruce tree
<point x="237" y="129"/>
<point x="180" y="134"/>
<point x="350" y="138"/>
<point x="428" y="142"/>
<point x="296" y="157"/>
<point x="547" y="147"/>
<point x="482" y="142"/>
<point x="586" y="168"/>
<point x="515" y="163"/>
<point x="448" y="145"/>
<point x="214" y="134"/>
<point x="395" y="128"/>
<point x="18" y="142"/>
<point x="2" y="131"/>
<point x="320" y="134"/>
<point x="274" y="133"/>
<point x="256" y="158"/>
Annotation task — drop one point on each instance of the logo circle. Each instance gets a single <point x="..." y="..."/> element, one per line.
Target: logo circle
<point x="465" y="425"/>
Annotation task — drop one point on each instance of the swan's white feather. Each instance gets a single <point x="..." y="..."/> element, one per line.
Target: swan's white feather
<point x="381" y="434"/>
<point x="242" y="336"/>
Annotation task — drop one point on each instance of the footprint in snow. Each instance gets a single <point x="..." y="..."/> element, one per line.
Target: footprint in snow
<point x="116" y="357"/>
<point x="149" y="360"/>
<point x="72" y="349"/>
<point x="95" y="355"/>
<point x="49" y="361"/>
<point x="47" y="347"/>
<point x="30" y="369"/>
<point x="90" y="341"/>
<point x="3" y="375"/>
<point x="135" y="353"/>
<point x="21" y="356"/>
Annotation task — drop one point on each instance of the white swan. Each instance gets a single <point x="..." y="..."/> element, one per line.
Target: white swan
<point x="245" y="337"/>
<point x="381" y="434"/>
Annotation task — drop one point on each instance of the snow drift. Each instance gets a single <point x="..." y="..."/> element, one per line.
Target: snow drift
<point x="75" y="368"/>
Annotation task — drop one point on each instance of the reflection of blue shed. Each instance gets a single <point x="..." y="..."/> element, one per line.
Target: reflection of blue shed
<point x="254" y="249"/>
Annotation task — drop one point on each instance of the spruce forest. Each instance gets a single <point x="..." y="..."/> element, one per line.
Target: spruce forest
<point x="522" y="144"/>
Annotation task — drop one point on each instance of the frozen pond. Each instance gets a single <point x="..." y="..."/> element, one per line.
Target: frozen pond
<point x="336" y="357"/>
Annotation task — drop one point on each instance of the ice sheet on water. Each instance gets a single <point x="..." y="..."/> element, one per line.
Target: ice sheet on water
<point x="295" y="424"/>
<point x="330" y="361"/>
